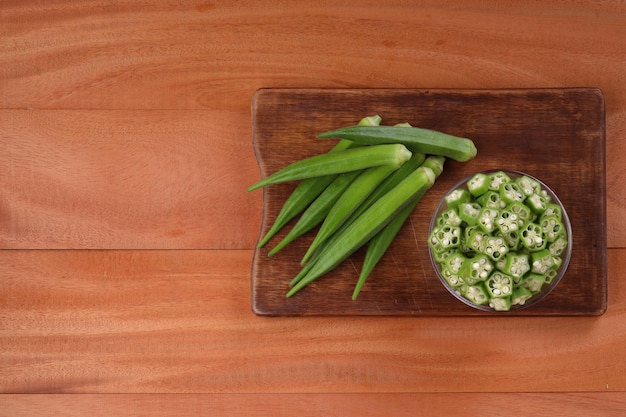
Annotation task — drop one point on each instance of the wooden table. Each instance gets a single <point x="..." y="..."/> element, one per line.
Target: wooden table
<point x="127" y="235"/>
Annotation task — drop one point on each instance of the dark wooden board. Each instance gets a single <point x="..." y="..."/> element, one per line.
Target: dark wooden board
<point x="557" y="135"/>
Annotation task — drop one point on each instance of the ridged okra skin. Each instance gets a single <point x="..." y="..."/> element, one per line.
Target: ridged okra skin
<point x="366" y="226"/>
<point x="416" y="139"/>
<point x="347" y="160"/>
<point x="379" y="244"/>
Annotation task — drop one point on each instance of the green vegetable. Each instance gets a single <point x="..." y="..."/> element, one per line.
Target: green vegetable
<point x="300" y="198"/>
<point x="511" y="234"/>
<point x="318" y="210"/>
<point x="416" y="139"/>
<point x="388" y="184"/>
<point x="347" y="160"/>
<point x="379" y="244"/>
<point x="366" y="226"/>
<point x="478" y="184"/>
<point x="309" y="188"/>
<point x="350" y="199"/>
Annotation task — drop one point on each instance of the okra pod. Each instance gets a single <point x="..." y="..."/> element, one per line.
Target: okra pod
<point x="318" y="210"/>
<point x="379" y="244"/>
<point x="353" y="196"/>
<point x="304" y="193"/>
<point x="310" y="188"/>
<point x="367" y="225"/>
<point x="416" y="139"/>
<point x="347" y="160"/>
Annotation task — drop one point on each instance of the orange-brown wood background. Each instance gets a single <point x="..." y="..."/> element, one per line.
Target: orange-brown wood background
<point x="126" y="233"/>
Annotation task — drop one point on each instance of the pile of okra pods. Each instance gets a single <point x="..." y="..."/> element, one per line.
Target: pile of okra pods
<point x="359" y="193"/>
<point x="499" y="239"/>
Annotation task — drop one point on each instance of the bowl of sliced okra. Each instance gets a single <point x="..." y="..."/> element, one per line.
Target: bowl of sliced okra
<point x="500" y="240"/>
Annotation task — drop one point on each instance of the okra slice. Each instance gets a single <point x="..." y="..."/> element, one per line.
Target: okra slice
<point x="520" y="296"/>
<point x="478" y="184"/>
<point x="507" y="221"/>
<point x="533" y="282"/>
<point x="443" y="255"/>
<point x="496" y="248"/>
<point x="445" y="237"/>
<point x="451" y="267"/>
<point x="532" y="237"/>
<point x="453" y="279"/>
<point x="476" y="294"/>
<point x="523" y="213"/>
<point x="455" y="262"/>
<point x="542" y="261"/>
<point x="529" y="186"/>
<point x="469" y="212"/>
<point x="552" y="227"/>
<point x="496" y="179"/>
<point x="478" y="240"/>
<point x="456" y="197"/>
<point x="492" y="200"/>
<point x="450" y="217"/>
<point x="559" y="245"/>
<point x="550" y="275"/>
<point x="537" y="203"/>
<point x="499" y="285"/>
<point x="500" y="304"/>
<point x="487" y="219"/>
<point x="553" y="210"/>
<point x="511" y="239"/>
<point x="517" y="265"/>
<point x="477" y="268"/>
<point x="511" y="192"/>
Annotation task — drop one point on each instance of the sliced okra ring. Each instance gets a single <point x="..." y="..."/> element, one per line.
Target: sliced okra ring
<point x="476" y="294"/>
<point x="469" y="212"/>
<point x="487" y="219"/>
<point x="478" y="268"/>
<point x="456" y="197"/>
<point x="517" y="265"/>
<point x="496" y="248"/>
<point x="532" y="237"/>
<point x="528" y="185"/>
<point x="496" y="179"/>
<point x="478" y="184"/>
<point x="510" y="192"/>
<point x="499" y="285"/>
<point x="542" y="261"/>
<point x="491" y="199"/>
<point x="552" y="227"/>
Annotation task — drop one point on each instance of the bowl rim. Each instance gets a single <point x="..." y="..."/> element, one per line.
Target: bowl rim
<point x="562" y="268"/>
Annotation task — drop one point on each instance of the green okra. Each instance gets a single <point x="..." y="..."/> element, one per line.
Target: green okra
<point x="416" y="139"/>
<point x="309" y="188"/>
<point x="366" y="226"/>
<point x="352" y="197"/>
<point x="318" y="210"/>
<point x="379" y="244"/>
<point x="347" y="160"/>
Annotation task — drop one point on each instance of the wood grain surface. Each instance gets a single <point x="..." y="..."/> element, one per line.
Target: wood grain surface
<point x="121" y="179"/>
<point x="127" y="237"/>
<point x="557" y="135"/>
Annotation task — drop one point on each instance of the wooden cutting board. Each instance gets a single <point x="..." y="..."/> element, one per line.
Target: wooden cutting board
<point x="556" y="135"/>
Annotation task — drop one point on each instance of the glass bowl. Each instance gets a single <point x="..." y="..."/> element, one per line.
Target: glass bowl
<point x="498" y="247"/>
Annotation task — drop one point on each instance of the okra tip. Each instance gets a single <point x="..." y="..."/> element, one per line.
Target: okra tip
<point x="471" y="153"/>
